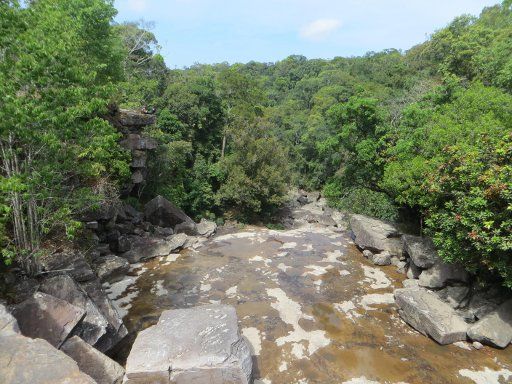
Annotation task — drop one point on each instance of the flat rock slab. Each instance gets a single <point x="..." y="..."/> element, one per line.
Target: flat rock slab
<point x="92" y="362"/>
<point x="196" y="345"/>
<point x="494" y="329"/>
<point x="47" y="317"/>
<point x="431" y="316"/>
<point x="376" y="235"/>
<point x="35" y="361"/>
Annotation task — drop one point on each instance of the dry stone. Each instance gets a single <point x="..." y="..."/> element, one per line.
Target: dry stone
<point x="46" y="317"/>
<point x="92" y="362"/>
<point x="196" y="345"/>
<point x="8" y="324"/>
<point x="34" y="361"/>
<point x="496" y="328"/>
<point x="421" y="251"/>
<point x="376" y="235"/>
<point x="441" y="273"/>
<point x="428" y="314"/>
<point x="163" y="213"/>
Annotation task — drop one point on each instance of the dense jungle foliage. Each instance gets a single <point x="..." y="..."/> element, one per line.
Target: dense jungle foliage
<point x="428" y="130"/>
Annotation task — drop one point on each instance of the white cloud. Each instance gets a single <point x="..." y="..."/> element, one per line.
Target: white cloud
<point x="137" y="5"/>
<point x="320" y="29"/>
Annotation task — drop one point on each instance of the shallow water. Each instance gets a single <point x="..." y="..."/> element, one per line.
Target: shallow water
<point x="314" y="309"/>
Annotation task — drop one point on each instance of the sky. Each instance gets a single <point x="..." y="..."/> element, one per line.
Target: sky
<point x="214" y="31"/>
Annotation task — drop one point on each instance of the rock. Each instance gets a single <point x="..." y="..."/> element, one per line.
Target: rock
<point x="116" y="330"/>
<point x="92" y="362"/>
<point x="177" y="241"/>
<point x="144" y="248"/>
<point x="441" y="273"/>
<point x="187" y="227"/>
<point x="134" y="141"/>
<point x="47" y="317"/>
<point x="303" y="199"/>
<point x="163" y="213"/>
<point x="28" y="361"/>
<point x="426" y="313"/>
<point x="413" y="272"/>
<point x="92" y="225"/>
<point x="421" y="251"/>
<point x="164" y="232"/>
<point x="327" y="220"/>
<point x="94" y="325"/>
<point x="137" y="177"/>
<point x="120" y="244"/>
<point x="130" y="118"/>
<point x="139" y="159"/>
<point x="454" y="295"/>
<point x="383" y="258"/>
<point x="206" y="228"/>
<point x="376" y="235"/>
<point x="111" y="268"/>
<point x="401" y="267"/>
<point x="485" y="301"/>
<point x="72" y="262"/>
<point x="201" y="344"/>
<point x="477" y="345"/>
<point x="410" y="283"/>
<point x="8" y="324"/>
<point x="368" y="254"/>
<point x="495" y="329"/>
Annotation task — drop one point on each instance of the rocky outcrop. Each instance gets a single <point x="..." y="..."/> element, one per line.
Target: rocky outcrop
<point x="28" y="361"/>
<point x="494" y="329"/>
<point x="72" y="262"/>
<point x="144" y="248"/>
<point x="375" y="235"/>
<point x="46" y="317"/>
<point x="431" y="316"/>
<point x="201" y="344"/>
<point x="163" y="213"/>
<point x="92" y="362"/>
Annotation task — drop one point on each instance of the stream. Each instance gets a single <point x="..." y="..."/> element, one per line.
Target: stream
<point x="314" y="309"/>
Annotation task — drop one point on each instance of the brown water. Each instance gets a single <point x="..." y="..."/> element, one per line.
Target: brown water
<point x="313" y="308"/>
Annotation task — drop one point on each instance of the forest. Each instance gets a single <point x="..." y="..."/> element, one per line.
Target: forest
<point x="423" y="135"/>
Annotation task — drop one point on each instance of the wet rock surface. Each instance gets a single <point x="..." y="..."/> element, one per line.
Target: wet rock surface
<point x="201" y="344"/>
<point x="313" y="308"/>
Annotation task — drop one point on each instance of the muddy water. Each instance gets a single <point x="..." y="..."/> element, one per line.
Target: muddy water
<point x="314" y="310"/>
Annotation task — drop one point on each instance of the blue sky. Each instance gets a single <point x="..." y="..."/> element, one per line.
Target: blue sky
<point x="212" y="31"/>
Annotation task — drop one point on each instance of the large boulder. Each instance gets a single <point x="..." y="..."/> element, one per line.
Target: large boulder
<point x="47" y="317"/>
<point x="8" y="324"/>
<point x="92" y="362"/>
<point x="116" y="329"/>
<point x="144" y="248"/>
<point x="421" y="250"/>
<point x="187" y="227"/>
<point x="441" y="274"/>
<point x="494" y="329"/>
<point x="201" y="344"/>
<point x="72" y="262"/>
<point x="94" y="325"/>
<point x="111" y="268"/>
<point x="376" y="235"/>
<point x="163" y="213"/>
<point x="431" y="316"/>
<point x="134" y="141"/>
<point x="28" y="361"/>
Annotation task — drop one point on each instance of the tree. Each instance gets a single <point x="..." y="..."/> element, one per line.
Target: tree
<point x="60" y="62"/>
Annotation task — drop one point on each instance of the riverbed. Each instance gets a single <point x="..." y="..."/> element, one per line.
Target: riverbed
<point x="313" y="308"/>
